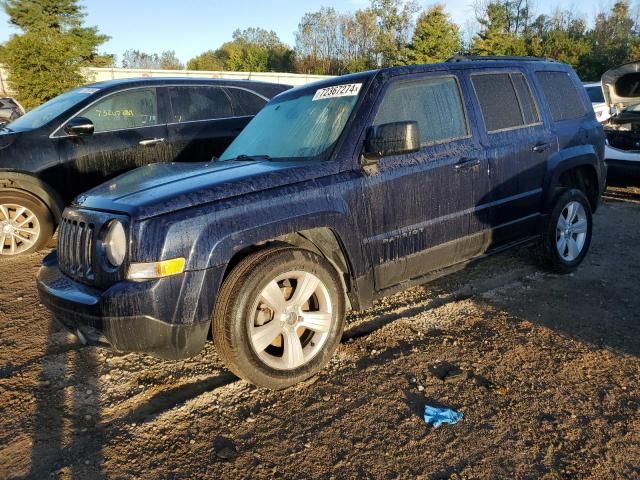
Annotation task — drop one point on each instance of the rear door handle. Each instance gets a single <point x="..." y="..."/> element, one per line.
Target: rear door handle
<point x="466" y="164"/>
<point x="541" y="147"/>
<point x="150" y="141"/>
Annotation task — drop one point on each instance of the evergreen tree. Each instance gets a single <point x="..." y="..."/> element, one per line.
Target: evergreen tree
<point x="497" y="36"/>
<point x="46" y="58"/>
<point x="435" y="39"/>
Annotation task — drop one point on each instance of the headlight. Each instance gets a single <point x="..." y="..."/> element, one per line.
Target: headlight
<point x="115" y="243"/>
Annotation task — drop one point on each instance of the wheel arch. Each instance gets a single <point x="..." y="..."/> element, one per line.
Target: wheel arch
<point x="325" y="241"/>
<point x="574" y="169"/>
<point x="18" y="181"/>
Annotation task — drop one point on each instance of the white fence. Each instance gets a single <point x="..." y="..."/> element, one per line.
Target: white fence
<point x="101" y="74"/>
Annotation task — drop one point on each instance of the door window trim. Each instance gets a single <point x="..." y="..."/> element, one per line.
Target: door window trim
<point x="415" y="78"/>
<point x="535" y="100"/>
<point x="54" y="134"/>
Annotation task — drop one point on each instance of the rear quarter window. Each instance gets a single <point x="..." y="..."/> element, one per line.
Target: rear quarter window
<point x="245" y="103"/>
<point x="562" y="96"/>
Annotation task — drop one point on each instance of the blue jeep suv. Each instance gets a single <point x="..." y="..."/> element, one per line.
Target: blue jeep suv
<point x="335" y="194"/>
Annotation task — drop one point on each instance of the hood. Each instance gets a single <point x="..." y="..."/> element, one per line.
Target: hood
<point x="621" y="85"/>
<point x="166" y="187"/>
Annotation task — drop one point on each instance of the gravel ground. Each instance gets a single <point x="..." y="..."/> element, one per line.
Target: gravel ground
<point x="544" y="367"/>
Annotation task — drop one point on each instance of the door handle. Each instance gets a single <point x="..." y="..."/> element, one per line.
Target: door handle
<point x="150" y="141"/>
<point x="466" y="164"/>
<point x="541" y="147"/>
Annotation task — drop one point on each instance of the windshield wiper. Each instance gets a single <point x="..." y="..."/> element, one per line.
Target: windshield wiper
<point x="251" y="158"/>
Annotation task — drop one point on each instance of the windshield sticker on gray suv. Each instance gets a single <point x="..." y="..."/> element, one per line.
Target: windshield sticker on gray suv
<point x="346" y="90"/>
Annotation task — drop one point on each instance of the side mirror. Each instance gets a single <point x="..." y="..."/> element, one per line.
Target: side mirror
<point x="79" y="126"/>
<point x="391" y="139"/>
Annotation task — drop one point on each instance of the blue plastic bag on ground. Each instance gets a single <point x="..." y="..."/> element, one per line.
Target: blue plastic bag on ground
<point x="436" y="416"/>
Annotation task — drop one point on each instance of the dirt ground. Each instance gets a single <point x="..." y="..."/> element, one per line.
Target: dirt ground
<point x="548" y="384"/>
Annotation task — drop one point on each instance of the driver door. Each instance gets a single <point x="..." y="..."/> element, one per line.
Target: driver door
<point x="421" y="205"/>
<point x="128" y="133"/>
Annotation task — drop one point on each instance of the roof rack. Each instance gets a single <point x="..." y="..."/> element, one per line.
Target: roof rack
<point x="474" y="58"/>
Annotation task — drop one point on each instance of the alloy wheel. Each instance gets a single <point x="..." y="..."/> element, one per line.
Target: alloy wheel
<point x="291" y="320"/>
<point x="571" y="231"/>
<point x="19" y="229"/>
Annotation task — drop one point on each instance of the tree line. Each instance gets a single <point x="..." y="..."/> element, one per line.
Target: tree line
<point x="45" y="58"/>
<point x="397" y="32"/>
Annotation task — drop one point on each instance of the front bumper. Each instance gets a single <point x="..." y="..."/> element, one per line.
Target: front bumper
<point x="168" y="318"/>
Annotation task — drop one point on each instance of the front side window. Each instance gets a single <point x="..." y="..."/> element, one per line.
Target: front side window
<point x="505" y="101"/>
<point x="193" y="104"/>
<point x="561" y="95"/>
<point x="434" y="103"/>
<point x="133" y="108"/>
<point x="301" y="125"/>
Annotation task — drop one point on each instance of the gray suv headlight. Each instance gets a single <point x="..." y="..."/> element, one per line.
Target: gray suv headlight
<point x="114" y="243"/>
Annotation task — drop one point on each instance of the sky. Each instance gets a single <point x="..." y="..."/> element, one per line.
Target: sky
<point x="192" y="26"/>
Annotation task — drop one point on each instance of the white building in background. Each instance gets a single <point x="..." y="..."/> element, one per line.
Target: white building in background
<point x="100" y="74"/>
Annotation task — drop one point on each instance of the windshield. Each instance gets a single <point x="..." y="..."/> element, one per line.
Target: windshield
<point x="51" y="109"/>
<point x="305" y="126"/>
<point x="595" y="94"/>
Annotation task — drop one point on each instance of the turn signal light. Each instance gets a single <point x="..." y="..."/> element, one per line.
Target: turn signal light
<point x="147" y="271"/>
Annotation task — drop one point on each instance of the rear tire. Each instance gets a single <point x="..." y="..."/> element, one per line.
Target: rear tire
<point x="567" y="234"/>
<point x="26" y="223"/>
<point x="279" y="317"/>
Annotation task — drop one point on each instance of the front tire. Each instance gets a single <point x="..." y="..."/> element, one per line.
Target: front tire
<point x="279" y="317"/>
<point x="567" y="235"/>
<point x="26" y="224"/>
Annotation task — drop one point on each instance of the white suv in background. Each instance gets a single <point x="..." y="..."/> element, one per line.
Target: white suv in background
<point x="600" y="106"/>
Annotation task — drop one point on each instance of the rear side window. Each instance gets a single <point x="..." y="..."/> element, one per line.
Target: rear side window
<point x="561" y="95"/>
<point x="191" y="104"/>
<point x="505" y="101"/>
<point x="245" y="102"/>
<point x="435" y="103"/>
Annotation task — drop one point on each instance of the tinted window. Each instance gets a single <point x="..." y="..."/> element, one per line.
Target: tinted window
<point x="129" y="109"/>
<point x="244" y="102"/>
<point x="527" y="103"/>
<point x="561" y="95"/>
<point x="435" y="103"/>
<point x="595" y="94"/>
<point x="505" y="100"/>
<point x="189" y="104"/>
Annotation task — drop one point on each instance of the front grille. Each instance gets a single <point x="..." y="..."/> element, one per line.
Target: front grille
<point x="75" y="248"/>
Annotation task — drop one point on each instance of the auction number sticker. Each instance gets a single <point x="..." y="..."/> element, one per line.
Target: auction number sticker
<point x="346" y="90"/>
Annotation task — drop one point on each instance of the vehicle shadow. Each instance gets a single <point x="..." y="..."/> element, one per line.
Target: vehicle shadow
<point x="67" y="412"/>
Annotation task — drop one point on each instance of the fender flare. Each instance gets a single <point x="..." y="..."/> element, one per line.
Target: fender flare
<point x="569" y="159"/>
<point x="18" y="181"/>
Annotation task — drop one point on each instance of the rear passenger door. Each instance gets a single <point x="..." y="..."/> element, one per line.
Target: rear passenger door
<point x="517" y="143"/>
<point x="202" y="122"/>
<point x="420" y="205"/>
